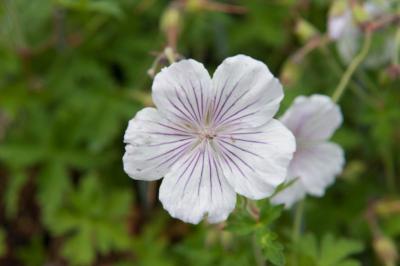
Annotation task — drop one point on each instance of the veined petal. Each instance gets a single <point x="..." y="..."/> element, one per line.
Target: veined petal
<point x="245" y="91"/>
<point x="317" y="165"/>
<point x="255" y="161"/>
<point x="182" y="92"/>
<point x="196" y="187"/>
<point x="313" y="118"/>
<point x="154" y="144"/>
<point x="290" y="195"/>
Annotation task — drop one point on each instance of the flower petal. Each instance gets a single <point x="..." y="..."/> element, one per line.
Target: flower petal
<point x="317" y="165"/>
<point x="154" y="144"/>
<point x="245" y="91"/>
<point x="195" y="187"/>
<point x="313" y="118"/>
<point x="291" y="194"/>
<point x="182" y="91"/>
<point x="255" y="161"/>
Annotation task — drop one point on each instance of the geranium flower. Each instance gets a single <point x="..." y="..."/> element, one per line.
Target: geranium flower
<point x="210" y="138"/>
<point x="343" y="28"/>
<point x="316" y="162"/>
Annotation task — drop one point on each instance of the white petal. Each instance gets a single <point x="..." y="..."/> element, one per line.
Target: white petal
<point x="337" y="25"/>
<point x="313" y="118"/>
<point x="245" y="91"/>
<point x="196" y="187"/>
<point x="182" y="91"/>
<point x="317" y="165"/>
<point x="290" y="195"/>
<point x="154" y="144"/>
<point x="255" y="161"/>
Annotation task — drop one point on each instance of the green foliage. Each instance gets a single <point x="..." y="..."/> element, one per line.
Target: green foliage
<point x="72" y="74"/>
<point x="330" y="251"/>
<point x="243" y="223"/>
<point x="92" y="222"/>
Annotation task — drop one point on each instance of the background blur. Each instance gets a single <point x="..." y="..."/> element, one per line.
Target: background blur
<point x="72" y="74"/>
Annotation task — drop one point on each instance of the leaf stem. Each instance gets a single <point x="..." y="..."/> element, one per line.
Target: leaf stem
<point x="352" y="67"/>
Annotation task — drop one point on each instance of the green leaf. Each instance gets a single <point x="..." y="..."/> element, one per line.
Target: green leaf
<point x="272" y="248"/>
<point x="78" y="248"/>
<point x="91" y="222"/>
<point x="53" y="183"/>
<point x="331" y="252"/>
<point x="16" y="181"/>
<point x="269" y="213"/>
<point x="335" y="251"/>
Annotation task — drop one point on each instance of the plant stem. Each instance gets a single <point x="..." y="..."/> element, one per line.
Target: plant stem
<point x="354" y="86"/>
<point x="297" y="224"/>
<point x="257" y="252"/>
<point x="352" y="67"/>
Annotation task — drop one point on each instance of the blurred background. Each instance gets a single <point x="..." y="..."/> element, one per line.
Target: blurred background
<point x="73" y="72"/>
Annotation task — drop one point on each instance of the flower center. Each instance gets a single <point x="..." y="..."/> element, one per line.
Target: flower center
<point x="207" y="134"/>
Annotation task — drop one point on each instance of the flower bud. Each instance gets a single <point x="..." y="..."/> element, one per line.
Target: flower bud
<point x="194" y="5"/>
<point x="359" y="13"/>
<point x="171" y="18"/>
<point x="386" y="251"/>
<point x="305" y="30"/>
<point x="290" y="73"/>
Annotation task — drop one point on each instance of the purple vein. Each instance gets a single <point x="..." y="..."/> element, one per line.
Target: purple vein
<point x="197" y="101"/>
<point x="177" y="155"/>
<point x="216" y="104"/>
<point x="227" y="98"/>
<point x="186" y="108"/>
<point x="216" y="170"/>
<point x="242" y="149"/>
<point x="240" y="159"/>
<point x="210" y="171"/>
<point x="224" y="154"/>
<point x="168" y="152"/>
<point x="191" y="173"/>
<point x="218" y="118"/>
<point x="190" y="103"/>
<point x="180" y="110"/>
<point x="202" y="100"/>
<point x="173" y="128"/>
<point x="244" y="140"/>
<point x="167" y="134"/>
<point x="239" y="111"/>
<point x="168" y="142"/>
<point x="192" y="158"/>
<point x="201" y="173"/>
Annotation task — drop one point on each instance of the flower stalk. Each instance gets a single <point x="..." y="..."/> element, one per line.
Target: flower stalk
<point x="355" y="63"/>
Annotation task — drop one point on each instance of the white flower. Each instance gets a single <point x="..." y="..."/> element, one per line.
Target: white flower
<point x="344" y="30"/>
<point x="210" y="138"/>
<point x="316" y="162"/>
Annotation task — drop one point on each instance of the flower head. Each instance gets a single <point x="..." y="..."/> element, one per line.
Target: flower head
<point x="343" y="28"/>
<point x="316" y="162"/>
<point x="210" y="138"/>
